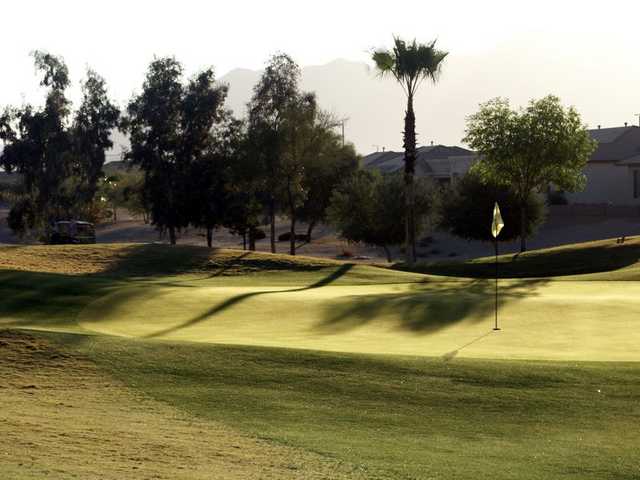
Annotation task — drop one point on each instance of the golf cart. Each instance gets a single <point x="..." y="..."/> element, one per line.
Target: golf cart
<point x="71" y="231"/>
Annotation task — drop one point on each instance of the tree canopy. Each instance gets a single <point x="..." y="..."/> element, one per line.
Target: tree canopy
<point x="366" y="207"/>
<point x="467" y="209"/>
<point x="531" y="148"/>
<point x="60" y="161"/>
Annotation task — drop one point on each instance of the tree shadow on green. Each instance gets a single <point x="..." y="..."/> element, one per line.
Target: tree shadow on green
<point x="46" y="299"/>
<point x="424" y="310"/>
<point x="327" y="280"/>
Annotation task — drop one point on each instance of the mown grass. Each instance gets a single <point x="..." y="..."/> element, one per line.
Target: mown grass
<point x="401" y="417"/>
<point x="395" y="416"/>
<point x="608" y="259"/>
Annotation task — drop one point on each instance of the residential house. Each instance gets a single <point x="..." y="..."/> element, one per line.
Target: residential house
<point x="440" y="162"/>
<point x="613" y="171"/>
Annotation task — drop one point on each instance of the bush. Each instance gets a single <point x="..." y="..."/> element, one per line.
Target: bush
<point x="467" y="210"/>
<point x="258" y="234"/>
<point x="557" y="198"/>
<point x="370" y="208"/>
<point x="285" y="237"/>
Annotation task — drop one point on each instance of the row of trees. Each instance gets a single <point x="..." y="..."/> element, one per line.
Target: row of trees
<point x="203" y="167"/>
<point x="199" y="165"/>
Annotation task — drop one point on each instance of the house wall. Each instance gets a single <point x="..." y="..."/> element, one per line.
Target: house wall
<point x="606" y="184"/>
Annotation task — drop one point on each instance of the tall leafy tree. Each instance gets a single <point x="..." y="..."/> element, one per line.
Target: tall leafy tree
<point x="301" y="129"/>
<point x="154" y="121"/>
<point x="94" y="121"/>
<point x="530" y="148"/>
<point x="170" y="125"/>
<point x="272" y="97"/>
<point x="60" y="165"/>
<point x="206" y="147"/>
<point x="410" y="63"/>
<point x="324" y="171"/>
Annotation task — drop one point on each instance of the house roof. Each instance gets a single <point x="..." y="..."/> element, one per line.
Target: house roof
<point x="430" y="160"/>
<point x="608" y="135"/>
<point x="615" y="144"/>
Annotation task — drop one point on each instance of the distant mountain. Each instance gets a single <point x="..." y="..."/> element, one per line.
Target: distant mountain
<point x="375" y="107"/>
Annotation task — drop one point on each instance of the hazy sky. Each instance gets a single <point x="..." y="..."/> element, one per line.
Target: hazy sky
<point x="588" y="52"/>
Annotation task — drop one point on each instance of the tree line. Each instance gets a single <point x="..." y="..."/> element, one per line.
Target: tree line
<point x="199" y="165"/>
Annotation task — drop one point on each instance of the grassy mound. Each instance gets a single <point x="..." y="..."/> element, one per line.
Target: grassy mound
<point x="148" y="260"/>
<point x="616" y="261"/>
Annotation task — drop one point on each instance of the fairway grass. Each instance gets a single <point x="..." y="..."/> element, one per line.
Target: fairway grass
<point x="395" y="417"/>
<point x="393" y="374"/>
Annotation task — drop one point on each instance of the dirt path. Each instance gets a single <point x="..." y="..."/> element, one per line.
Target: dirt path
<point x="62" y="418"/>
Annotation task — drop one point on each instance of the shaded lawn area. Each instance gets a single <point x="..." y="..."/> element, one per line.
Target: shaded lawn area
<point x="401" y="417"/>
<point x="604" y="259"/>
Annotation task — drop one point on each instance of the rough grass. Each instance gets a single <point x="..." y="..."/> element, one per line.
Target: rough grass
<point x="62" y="417"/>
<point x="133" y="260"/>
<point x="607" y="258"/>
<point x="402" y="417"/>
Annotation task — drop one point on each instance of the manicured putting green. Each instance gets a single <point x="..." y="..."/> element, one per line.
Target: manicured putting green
<point x="540" y="319"/>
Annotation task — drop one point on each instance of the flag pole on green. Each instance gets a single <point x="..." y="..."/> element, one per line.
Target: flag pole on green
<point x="496" y="227"/>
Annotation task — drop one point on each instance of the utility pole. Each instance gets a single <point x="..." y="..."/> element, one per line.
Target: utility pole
<point x="341" y="122"/>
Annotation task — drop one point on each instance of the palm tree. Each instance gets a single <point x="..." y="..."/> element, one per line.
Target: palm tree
<point x="410" y="64"/>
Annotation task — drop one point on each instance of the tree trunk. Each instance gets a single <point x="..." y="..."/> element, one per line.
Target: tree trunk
<point x="209" y="236"/>
<point x="292" y="240"/>
<point x="244" y="240"/>
<point x="409" y="171"/>
<point x="310" y="230"/>
<point x="252" y="239"/>
<point x="387" y="253"/>
<point x="272" y="222"/>
<point x="172" y="235"/>
<point x="523" y="228"/>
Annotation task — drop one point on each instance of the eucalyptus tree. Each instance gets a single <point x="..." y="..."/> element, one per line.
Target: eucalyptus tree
<point x="272" y="97"/>
<point x="170" y="124"/>
<point x="94" y="121"/>
<point x="410" y="64"/>
<point x="59" y="164"/>
<point x="529" y="149"/>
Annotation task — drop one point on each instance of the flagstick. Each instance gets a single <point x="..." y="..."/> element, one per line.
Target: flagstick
<point x="496" y="248"/>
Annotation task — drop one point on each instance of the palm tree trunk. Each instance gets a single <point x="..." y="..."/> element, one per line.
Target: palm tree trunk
<point x="409" y="172"/>
<point x="172" y="235"/>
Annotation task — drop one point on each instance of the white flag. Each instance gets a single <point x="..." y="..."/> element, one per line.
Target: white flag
<point x="497" y="224"/>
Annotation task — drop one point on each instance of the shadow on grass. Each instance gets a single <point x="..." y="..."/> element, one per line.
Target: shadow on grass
<point x="424" y="310"/>
<point x="330" y="278"/>
<point x="573" y="260"/>
<point x="46" y="299"/>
